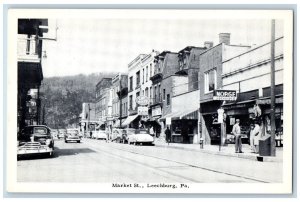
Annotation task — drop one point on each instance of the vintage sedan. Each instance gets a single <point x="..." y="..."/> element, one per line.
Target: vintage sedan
<point x="139" y="136"/>
<point x="35" y="140"/>
<point x="99" y="135"/>
<point x="72" y="135"/>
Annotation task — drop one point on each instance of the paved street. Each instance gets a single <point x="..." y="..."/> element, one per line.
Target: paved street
<point x="98" y="161"/>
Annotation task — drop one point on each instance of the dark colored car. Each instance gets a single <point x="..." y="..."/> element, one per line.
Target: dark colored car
<point x="34" y="140"/>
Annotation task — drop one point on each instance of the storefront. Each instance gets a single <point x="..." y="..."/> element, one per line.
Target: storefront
<point x="210" y="128"/>
<point x="258" y="111"/>
<point x="183" y="126"/>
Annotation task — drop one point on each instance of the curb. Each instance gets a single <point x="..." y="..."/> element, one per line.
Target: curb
<point x="244" y="156"/>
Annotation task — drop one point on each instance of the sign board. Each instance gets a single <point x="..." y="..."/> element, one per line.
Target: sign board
<point x="156" y="111"/>
<point x="225" y="95"/>
<point x="142" y="100"/>
<point x="168" y="121"/>
<point x="143" y="111"/>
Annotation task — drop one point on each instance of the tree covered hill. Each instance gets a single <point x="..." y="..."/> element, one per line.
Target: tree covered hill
<point x="62" y="97"/>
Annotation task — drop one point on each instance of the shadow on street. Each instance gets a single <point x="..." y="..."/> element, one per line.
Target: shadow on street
<point x="57" y="153"/>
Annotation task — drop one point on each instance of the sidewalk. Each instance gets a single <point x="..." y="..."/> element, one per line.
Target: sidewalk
<point x="228" y="150"/>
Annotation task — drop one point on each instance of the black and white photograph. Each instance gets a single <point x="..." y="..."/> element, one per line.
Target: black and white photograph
<point x="150" y="101"/>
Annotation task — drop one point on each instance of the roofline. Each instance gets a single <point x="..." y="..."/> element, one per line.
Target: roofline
<point x="136" y="59"/>
<point x="191" y="47"/>
<point x="226" y="45"/>
<point x="252" y="49"/>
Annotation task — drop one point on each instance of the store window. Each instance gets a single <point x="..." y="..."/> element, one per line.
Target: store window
<point x="210" y="81"/>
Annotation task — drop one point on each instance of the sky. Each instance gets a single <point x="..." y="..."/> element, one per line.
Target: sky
<point x="86" y="46"/>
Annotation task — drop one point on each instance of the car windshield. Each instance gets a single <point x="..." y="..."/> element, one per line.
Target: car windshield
<point x="40" y="130"/>
<point x="141" y="132"/>
<point x="73" y="131"/>
<point x="28" y="132"/>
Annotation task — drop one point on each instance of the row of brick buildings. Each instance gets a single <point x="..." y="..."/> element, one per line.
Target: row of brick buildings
<point x="180" y="91"/>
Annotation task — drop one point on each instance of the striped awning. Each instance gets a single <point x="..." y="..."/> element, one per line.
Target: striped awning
<point x="129" y="119"/>
<point x="184" y="114"/>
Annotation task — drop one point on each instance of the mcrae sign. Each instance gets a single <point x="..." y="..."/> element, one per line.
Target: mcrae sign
<point x="225" y="95"/>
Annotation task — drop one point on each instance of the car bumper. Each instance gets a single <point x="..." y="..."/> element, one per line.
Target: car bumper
<point x="72" y="139"/>
<point x="34" y="151"/>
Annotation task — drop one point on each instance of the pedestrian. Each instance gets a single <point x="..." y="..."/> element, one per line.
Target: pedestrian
<point x="107" y="135"/>
<point x="236" y="131"/>
<point x="252" y="135"/>
<point x="257" y="137"/>
<point x="168" y="134"/>
<point x="151" y="131"/>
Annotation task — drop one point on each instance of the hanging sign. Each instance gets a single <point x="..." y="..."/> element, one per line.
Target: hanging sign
<point x="225" y="95"/>
<point x="143" y="111"/>
<point x="168" y="121"/>
<point x="142" y="100"/>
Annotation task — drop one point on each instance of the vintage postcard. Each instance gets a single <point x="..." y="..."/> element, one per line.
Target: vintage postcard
<point x="149" y="101"/>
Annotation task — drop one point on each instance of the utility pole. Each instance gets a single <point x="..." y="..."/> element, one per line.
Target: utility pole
<point x="120" y="99"/>
<point x="272" y="112"/>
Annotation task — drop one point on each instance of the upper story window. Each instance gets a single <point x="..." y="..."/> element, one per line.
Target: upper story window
<point x="146" y="73"/>
<point x="143" y="75"/>
<point x="130" y="102"/>
<point x="131" y="83"/>
<point x="168" y="99"/>
<point x="210" y="81"/>
<point x="138" y="78"/>
<point x="151" y="73"/>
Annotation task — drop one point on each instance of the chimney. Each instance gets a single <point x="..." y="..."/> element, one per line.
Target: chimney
<point x="208" y="44"/>
<point x="224" y="38"/>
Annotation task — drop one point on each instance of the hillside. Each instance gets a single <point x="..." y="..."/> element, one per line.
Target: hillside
<point x="63" y="97"/>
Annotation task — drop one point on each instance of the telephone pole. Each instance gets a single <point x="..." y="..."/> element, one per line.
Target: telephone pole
<point x="272" y="112"/>
<point x="120" y="99"/>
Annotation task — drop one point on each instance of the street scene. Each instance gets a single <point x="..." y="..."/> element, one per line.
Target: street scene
<point x="98" y="161"/>
<point x="99" y="102"/>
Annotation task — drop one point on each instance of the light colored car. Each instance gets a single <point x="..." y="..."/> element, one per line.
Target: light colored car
<point x="99" y="135"/>
<point x="34" y="140"/>
<point x="139" y="136"/>
<point x="72" y="135"/>
<point x="62" y="133"/>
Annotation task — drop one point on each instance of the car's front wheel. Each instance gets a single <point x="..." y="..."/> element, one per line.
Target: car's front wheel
<point x="78" y="141"/>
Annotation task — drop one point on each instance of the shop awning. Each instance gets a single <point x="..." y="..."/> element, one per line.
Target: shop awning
<point x="117" y="124"/>
<point x="191" y="113"/>
<point x="267" y="100"/>
<point x="129" y="119"/>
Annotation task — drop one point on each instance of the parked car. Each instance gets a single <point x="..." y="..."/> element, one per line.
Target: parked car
<point x="62" y="133"/>
<point x="99" y="135"/>
<point x="72" y="135"/>
<point x="139" y="136"/>
<point x="34" y="140"/>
